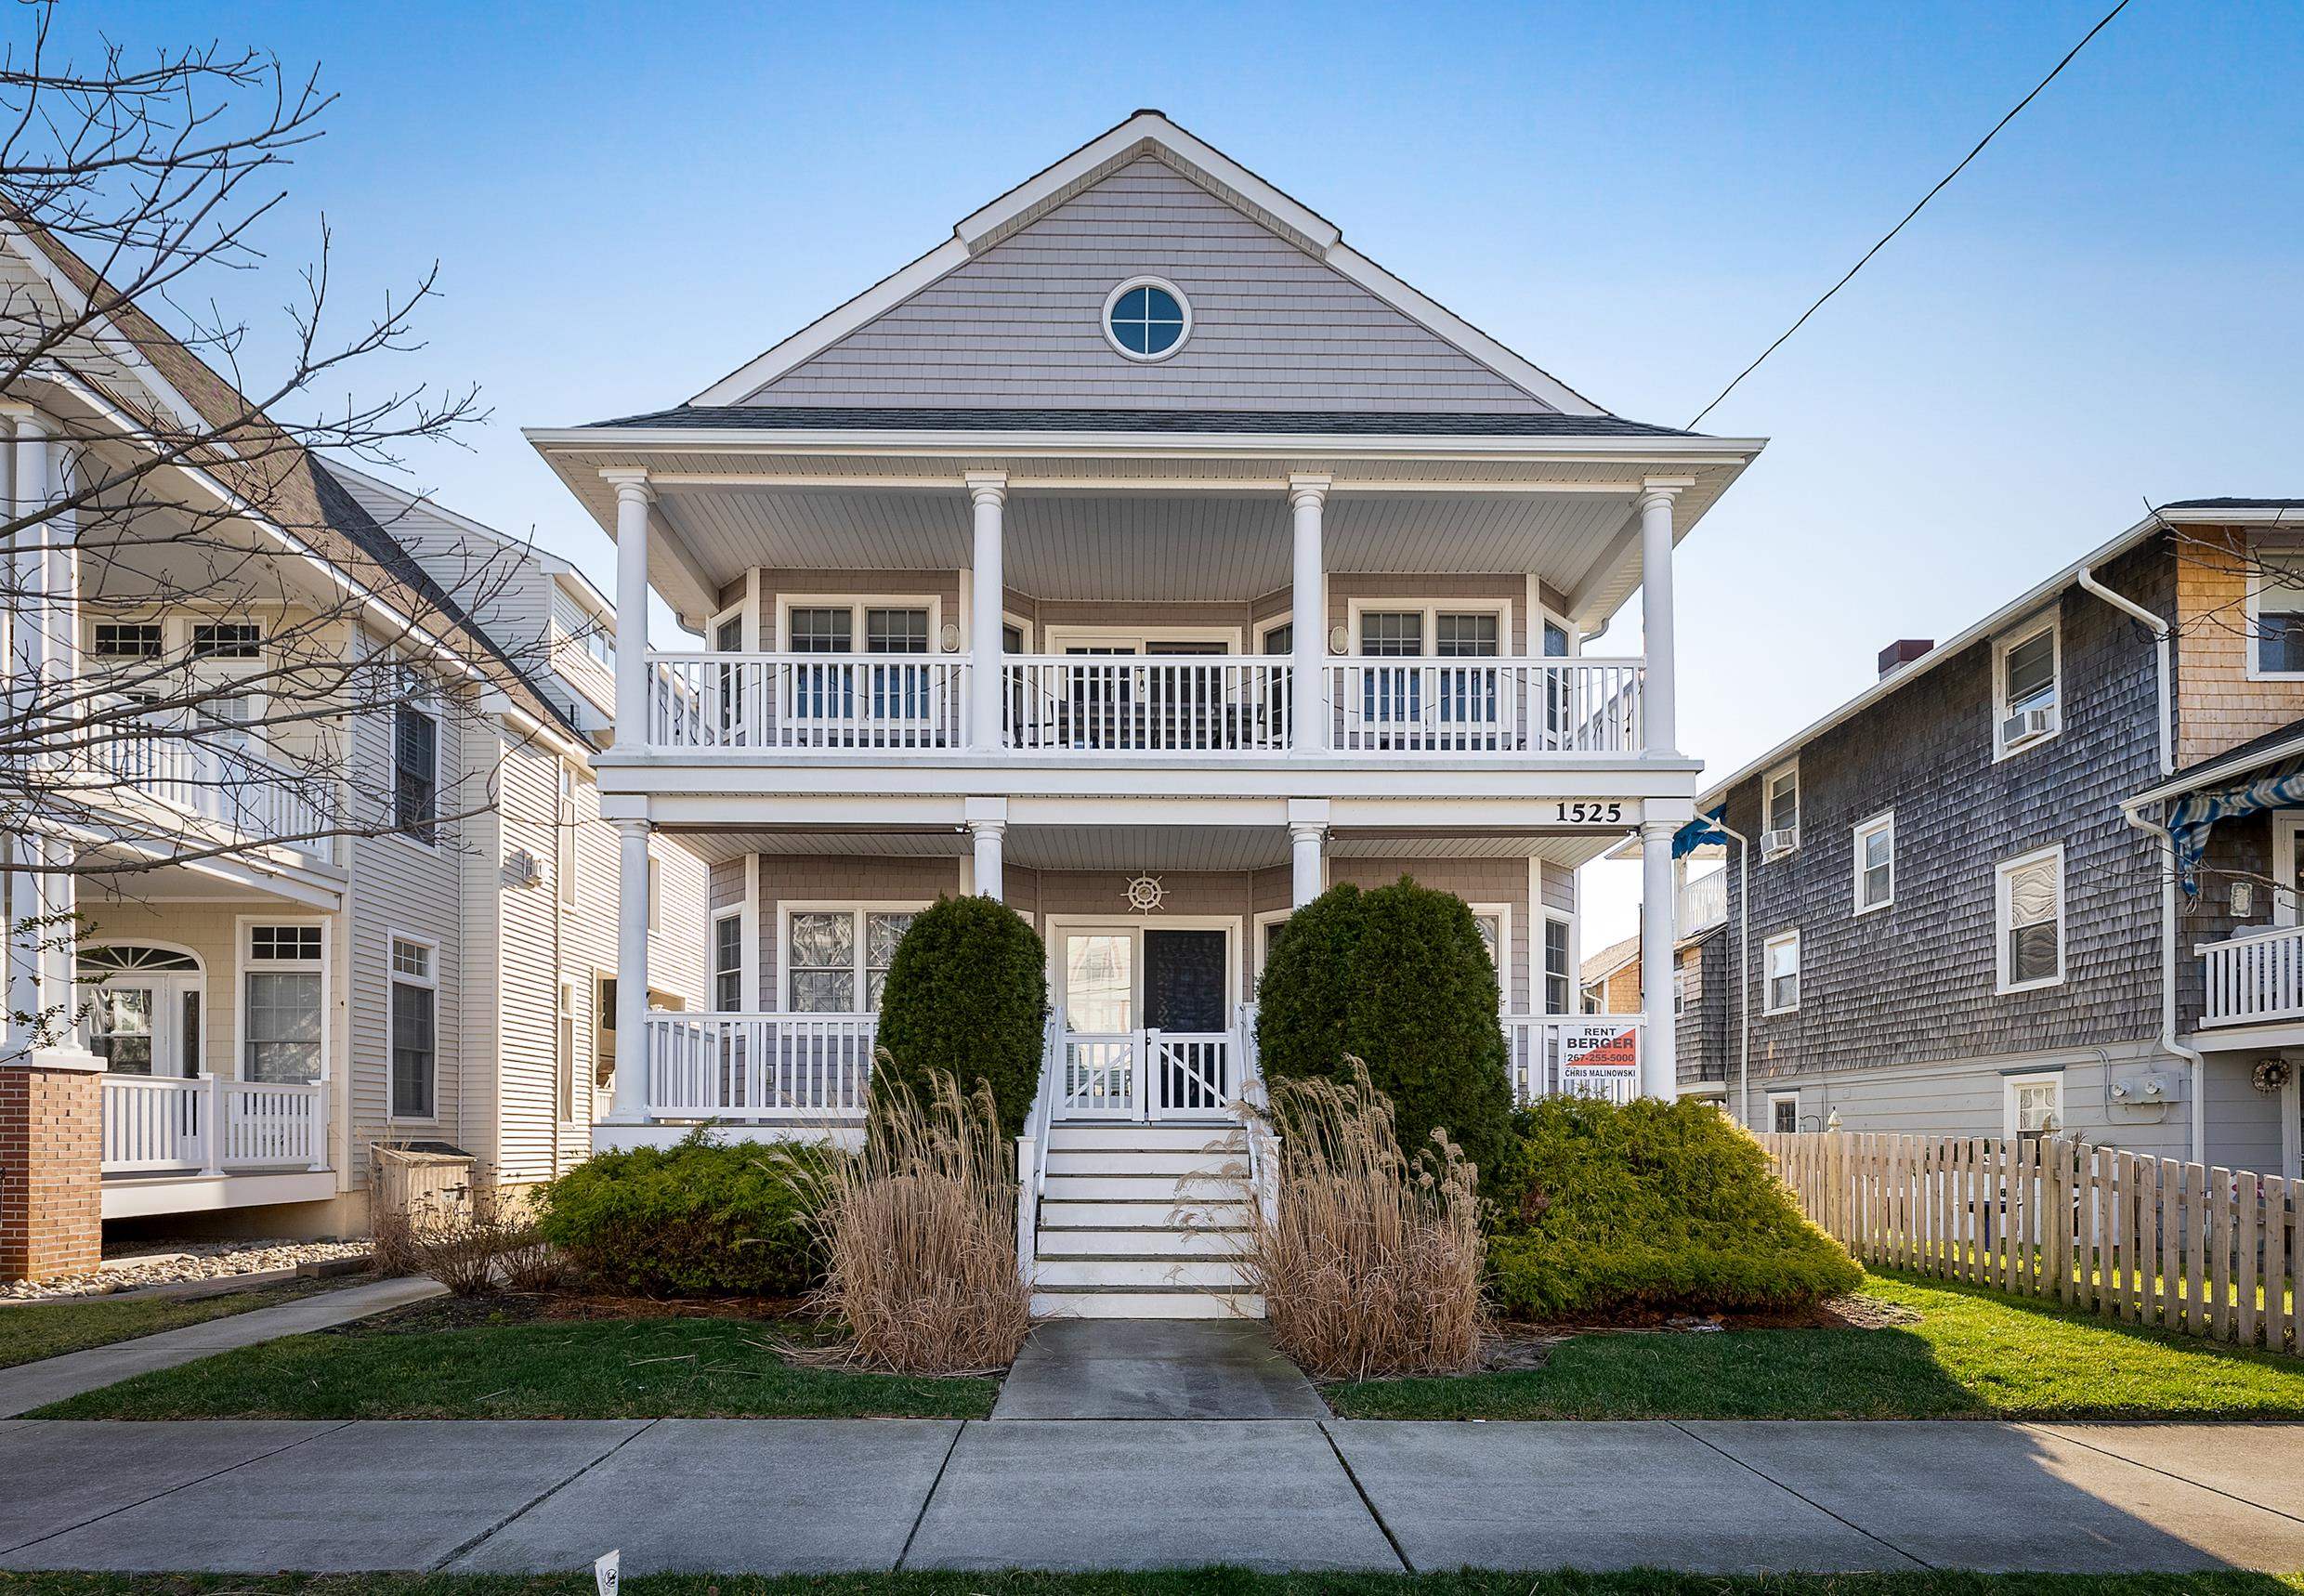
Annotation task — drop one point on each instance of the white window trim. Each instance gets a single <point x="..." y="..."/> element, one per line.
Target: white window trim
<point x="570" y="1106"/>
<point x="856" y="604"/>
<point x="1058" y="637"/>
<point x="1503" y="945"/>
<point x="1537" y="923"/>
<point x="2257" y="548"/>
<point x="2051" y="624"/>
<point x="1103" y="320"/>
<point x="1268" y="625"/>
<point x="1774" y="1098"/>
<point x="422" y="696"/>
<point x="1431" y="609"/>
<point x="2286" y="824"/>
<point x="2009" y="1083"/>
<point x="1256" y="951"/>
<point x="241" y="964"/>
<point x="858" y="907"/>
<point x="1767" y="807"/>
<point x="1883" y="821"/>
<point x="430" y="981"/>
<point x="2001" y="926"/>
<point x="567" y="836"/>
<point x="1767" y="983"/>
<point x="1026" y="630"/>
<point x="747" y="629"/>
<point x="711" y="957"/>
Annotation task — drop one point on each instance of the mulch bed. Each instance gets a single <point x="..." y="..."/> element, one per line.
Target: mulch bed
<point x="1525" y="1346"/>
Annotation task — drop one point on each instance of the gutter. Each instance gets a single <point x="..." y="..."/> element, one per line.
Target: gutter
<point x="2163" y="641"/>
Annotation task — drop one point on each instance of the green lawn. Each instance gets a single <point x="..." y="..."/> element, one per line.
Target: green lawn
<point x="1975" y="1352"/>
<point x="1181" y="1582"/>
<point x="449" y="1360"/>
<point x="33" y="1330"/>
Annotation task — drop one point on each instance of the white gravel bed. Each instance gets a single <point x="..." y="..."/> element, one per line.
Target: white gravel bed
<point x="164" y="1264"/>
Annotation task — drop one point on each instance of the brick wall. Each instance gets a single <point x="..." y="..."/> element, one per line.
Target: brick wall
<point x="51" y="1195"/>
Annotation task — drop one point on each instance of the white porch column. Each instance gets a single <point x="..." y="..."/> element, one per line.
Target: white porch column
<point x="987" y="819"/>
<point x="1307" y="719"/>
<point x="27" y="582"/>
<point x="987" y="493"/>
<point x="49" y="619"/>
<point x="630" y="1106"/>
<point x="1658" y="699"/>
<point x="1307" y="849"/>
<point x="1659" y="1066"/>
<point x="634" y="496"/>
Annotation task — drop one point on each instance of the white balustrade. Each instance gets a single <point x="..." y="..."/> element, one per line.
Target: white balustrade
<point x="2253" y="978"/>
<point x="1703" y="903"/>
<point x="1450" y="707"/>
<point x="821" y="701"/>
<point x="1573" y="1056"/>
<point x="759" y="1066"/>
<point x="207" y="775"/>
<point x="1154" y="704"/>
<point x="155" y="1123"/>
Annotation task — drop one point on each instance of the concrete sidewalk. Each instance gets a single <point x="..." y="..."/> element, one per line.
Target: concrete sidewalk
<point x="816" y="1495"/>
<point x="31" y="1385"/>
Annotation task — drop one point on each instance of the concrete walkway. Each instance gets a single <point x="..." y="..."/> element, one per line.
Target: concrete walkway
<point x="1154" y="1368"/>
<point x="32" y="1385"/>
<point x="814" y="1495"/>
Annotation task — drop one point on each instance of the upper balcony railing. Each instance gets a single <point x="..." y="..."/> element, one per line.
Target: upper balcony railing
<point x="209" y="777"/>
<point x="1168" y="706"/>
<point x="1703" y="903"/>
<point x="2255" y="977"/>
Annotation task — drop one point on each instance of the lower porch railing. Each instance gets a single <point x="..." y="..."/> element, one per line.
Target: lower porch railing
<point x="162" y="1124"/>
<point x="759" y="1066"/>
<point x="2253" y="978"/>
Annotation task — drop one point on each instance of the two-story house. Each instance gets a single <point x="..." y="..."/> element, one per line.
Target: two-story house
<point x="2040" y="875"/>
<point x="1144" y="556"/>
<point x="262" y="917"/>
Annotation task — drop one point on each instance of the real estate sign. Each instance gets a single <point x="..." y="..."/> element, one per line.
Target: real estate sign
<point x="1599" y="1056"/>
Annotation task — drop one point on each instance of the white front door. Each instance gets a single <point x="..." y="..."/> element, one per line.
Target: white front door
<point x="1148" y="1025"/>
<point x="147" y="1024"/>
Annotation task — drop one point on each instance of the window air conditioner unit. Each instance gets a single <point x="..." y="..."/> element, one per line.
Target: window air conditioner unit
<point x="1782" y="840"/>
<point x="2028" y="723"/>
<point x="520" y="869"/>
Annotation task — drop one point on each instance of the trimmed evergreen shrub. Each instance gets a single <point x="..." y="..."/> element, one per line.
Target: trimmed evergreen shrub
<point x="1648" y="1204"/>
<point x="967" y="995"/>
<point x="1398" y="977"/>
<point x="695" y="1220"/>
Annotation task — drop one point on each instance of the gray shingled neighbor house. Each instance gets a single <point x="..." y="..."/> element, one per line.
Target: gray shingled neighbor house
<point x="1965" y="916"/>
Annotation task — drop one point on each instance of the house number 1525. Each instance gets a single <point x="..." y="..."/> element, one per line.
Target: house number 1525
<point x="1609" y="814"/>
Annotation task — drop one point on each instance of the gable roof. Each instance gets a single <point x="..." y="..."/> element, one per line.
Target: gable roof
<point x="1378" y="423"/>
<point x="285" y="486"/>
<point x="2194" y="512"/>
<point x="1609" y="959"/>
<point x="1149" y="135"/>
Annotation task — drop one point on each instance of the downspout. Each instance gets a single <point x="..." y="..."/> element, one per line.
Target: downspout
<point x="2162" y="637"/>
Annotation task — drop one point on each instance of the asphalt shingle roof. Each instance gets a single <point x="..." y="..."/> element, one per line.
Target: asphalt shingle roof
<point x="1441" y="423"/>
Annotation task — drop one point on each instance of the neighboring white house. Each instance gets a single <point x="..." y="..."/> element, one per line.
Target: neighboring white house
<point x="249" y="1018"/>
<point x="1146" y="557"/>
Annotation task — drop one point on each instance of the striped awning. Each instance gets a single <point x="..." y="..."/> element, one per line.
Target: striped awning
<point x="2196" y="813"/>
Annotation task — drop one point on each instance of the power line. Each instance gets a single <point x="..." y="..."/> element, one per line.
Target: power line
<point x="1914" y="211"/>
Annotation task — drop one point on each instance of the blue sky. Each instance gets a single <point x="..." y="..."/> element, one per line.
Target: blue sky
<point x="628" y="201"/>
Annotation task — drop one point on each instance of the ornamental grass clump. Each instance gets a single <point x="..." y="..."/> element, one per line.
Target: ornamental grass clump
<point x="918" y="1233"/>
<point x="1371" y="1263"/>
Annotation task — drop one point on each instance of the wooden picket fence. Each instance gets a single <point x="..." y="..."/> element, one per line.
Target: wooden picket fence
<point x="2143" y="1240"/>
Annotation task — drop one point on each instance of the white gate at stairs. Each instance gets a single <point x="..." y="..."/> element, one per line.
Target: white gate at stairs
<point x="1149" y="1075"/>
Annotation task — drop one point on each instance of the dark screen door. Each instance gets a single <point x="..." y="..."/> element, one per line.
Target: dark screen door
<point x="1183" y="980"/>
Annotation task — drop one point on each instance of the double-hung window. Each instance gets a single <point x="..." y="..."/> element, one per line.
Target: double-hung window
<point x="1779" y="805"/>
<point x="1784" y="1112"/>
<point x="416" y="772"/>
<point x="1782" y="960"/>
<point x="2027" y="687"/>
<point x="415" y="1028"/>
<point x="1558" y="977"/>
<point x="727" y="963"/>
<point x="283" y="1005"/>
<point x="836" y="956"/>
<point x="564" y="1050"/>
<point x="2035" y="1104"/>
<point x="2276" y="602"/>
<point x="2029" y="901"/>
<point x="1876" y="863"/>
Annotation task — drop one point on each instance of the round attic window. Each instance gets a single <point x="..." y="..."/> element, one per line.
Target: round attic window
<point x="1147" y="319"/>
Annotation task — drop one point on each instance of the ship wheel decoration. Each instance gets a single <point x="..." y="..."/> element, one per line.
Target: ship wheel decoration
<point x="1145" y="893"/>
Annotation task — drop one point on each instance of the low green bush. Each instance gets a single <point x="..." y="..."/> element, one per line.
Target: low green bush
<point x="700" y="1219"/>
<point x="1398" y="977"/>
<point x="1648" y="1204"/>
<point x="967" y="996"/>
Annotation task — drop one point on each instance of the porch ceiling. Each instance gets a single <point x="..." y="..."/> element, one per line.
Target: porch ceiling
<point x="1089" y="546"/>
<point x="1179" y="847"/>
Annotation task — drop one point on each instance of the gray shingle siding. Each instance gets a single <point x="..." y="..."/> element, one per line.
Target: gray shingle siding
<point x="1913" y="983"/>
<point x="1272" y="328"/>
<point x="1701" y="1029"/>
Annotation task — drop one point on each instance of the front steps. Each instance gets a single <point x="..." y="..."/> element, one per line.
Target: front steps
<point x="1142" y="1222"/>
